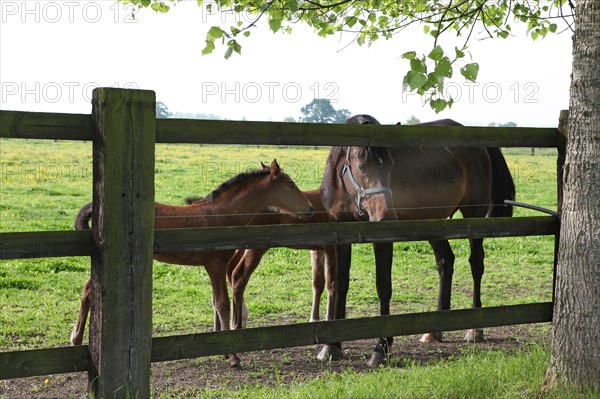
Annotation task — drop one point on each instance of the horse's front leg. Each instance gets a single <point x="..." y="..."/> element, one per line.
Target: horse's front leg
<point x="477" y="269"/>
<point x="444" y="259"/>
<point x="330" y="276"/>
<point x="383" y="278"/>
<point x="343" y="254"/>
<point x="317" y="262"/>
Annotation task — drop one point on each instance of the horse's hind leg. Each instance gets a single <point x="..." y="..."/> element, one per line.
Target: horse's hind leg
<point x="239" y="281"/>
<point x="477" y="269"/>
<point x="383" y="279"/>
<point x="444" y="259"/>
<point x="84" y="309"/>
<point x="317" y="261"/>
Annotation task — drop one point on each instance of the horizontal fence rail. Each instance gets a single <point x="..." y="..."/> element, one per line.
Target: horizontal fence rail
<point x="78" y="243"/>
<point x="42" y="125"/>
<point x="75" y="358"/>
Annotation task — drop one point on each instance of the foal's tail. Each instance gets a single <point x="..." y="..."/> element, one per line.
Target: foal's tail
<point x="82" y="221"/>
<point x="503" y="186"/>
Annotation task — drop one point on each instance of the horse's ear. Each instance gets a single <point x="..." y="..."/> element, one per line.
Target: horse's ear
<point x="263" y="166"/>
<point x="275" y="169"/>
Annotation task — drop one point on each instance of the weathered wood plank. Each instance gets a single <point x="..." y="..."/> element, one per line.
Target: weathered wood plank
<point x="30" y="363"/>
<point x="44" y="244"/>
<point x="221" y="238"/>
<point x="281" y="133"/>
<point x="252" y="339"/>
<point x="122" y="227"/>
<point x="45" y="125"/>
<point x="77" y="243"/>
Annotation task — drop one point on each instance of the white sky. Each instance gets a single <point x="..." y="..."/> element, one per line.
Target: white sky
<point x="52" y="54"/>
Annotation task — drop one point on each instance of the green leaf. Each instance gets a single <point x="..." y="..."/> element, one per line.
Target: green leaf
<point x="160" y="7"/>
<point x="444" y="68"/>
<point x="415" y="80"/>
<point x="350" y="21"/>
<point x="459" y="53"/>
<point x="552" y="28"/>
<point x="437" y="53"/>
<point x="145" y="3"/>
<point x="215" y="32"/>
<point x="274" y="24"/>
<point x="417" y="65"/>
<point x="228" y="52"/>
<point x="438" y="105"/>
<point x="292" y="5"/>
<point x="470" y="71"/>
<point x="235" y="45"/>
<point x="409" y="55"/>
<point x="210" y="46"/>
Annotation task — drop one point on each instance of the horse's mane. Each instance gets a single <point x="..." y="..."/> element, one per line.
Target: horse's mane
<point x="232" y="182"/>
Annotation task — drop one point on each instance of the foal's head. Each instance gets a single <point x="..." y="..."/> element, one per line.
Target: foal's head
<point x="282" y="194"/>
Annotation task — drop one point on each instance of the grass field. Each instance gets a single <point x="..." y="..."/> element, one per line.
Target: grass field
<point x="44" y="183"/>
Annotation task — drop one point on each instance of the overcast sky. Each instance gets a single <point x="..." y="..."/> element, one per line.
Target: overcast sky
<point x="53" y="53"/>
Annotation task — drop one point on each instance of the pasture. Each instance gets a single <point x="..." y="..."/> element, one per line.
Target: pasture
<point x="44" y="183"/>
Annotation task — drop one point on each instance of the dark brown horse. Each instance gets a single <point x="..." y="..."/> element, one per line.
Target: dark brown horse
<point x="233" y="203"/>
<point x="427" y="183"/>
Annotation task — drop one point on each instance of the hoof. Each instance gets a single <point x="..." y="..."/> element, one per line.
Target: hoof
<point x="74" y="340"/>
<point x="475" y="335"/>
<point x="431" y="337"/>
<point x="234" y="362"/>
<point x="330" y="352"/>
<point x="377" y="359"/>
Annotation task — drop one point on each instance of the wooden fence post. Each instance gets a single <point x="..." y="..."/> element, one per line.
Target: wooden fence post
<point x="123" y="233"/>
<point x="560" y="164"/>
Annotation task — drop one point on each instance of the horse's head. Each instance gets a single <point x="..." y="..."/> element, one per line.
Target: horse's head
<point x="365" y="176"/>
<point x="283" y="194"/>
<point x="357" y="180"/>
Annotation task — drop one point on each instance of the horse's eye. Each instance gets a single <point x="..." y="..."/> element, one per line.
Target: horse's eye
<point x="363" y="168"/>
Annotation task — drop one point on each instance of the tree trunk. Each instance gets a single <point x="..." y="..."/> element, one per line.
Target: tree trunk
<point x="576" y="325"/>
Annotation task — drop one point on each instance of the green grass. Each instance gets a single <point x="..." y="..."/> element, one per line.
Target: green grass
<point x="473" y="375"/>
<point x="44" y="183"/>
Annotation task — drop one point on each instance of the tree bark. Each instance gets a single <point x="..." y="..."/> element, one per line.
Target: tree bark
<point x="575" y="356"/>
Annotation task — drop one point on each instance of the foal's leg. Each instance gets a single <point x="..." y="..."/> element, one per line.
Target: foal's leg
<point x="317" y="261"/>
<point x="343" y="254"/>
<point x="444" y="259"/>
<point x="477" y="269"/>
<point x="383" y="278"/>
<point x="239" y="280"/>
<point x="84" y="309"/>
<point x="217" y="273"/>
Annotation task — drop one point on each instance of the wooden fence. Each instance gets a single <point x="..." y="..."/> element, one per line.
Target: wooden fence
<point x="124" y="131"/>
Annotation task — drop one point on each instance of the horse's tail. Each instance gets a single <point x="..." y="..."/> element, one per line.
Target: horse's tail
<point x="503" y="186"/>
<point x="82" y="221"/>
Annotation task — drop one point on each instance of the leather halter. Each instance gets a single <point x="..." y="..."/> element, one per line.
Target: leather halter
<point x="361" y="192"/>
